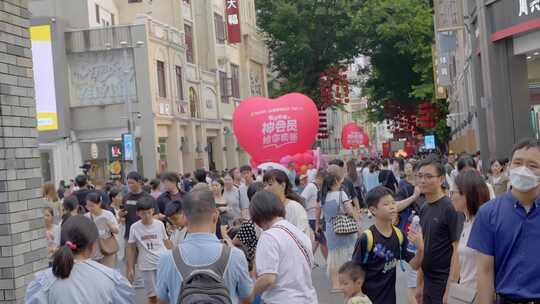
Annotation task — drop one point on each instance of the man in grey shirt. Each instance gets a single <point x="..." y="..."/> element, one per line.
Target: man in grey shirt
<point x="232" y="197"/>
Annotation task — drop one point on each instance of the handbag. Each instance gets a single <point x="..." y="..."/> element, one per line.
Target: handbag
<point x="108" y="246"/>
<point x="459" y="294"/>
<point x="343" y="223"/>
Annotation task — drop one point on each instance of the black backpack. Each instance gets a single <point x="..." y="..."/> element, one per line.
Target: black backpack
<point x="203" y="285"/>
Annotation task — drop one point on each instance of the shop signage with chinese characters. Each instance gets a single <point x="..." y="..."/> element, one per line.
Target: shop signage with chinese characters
<point x="513" y="17"/>
<point x="232" y="8"/>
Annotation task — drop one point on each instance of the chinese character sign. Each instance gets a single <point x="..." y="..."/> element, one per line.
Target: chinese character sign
<point x="232" y="8"/>
<point x="271" y="129"/>
<point x="353" y="137"/>
<point x="527" y="7"/>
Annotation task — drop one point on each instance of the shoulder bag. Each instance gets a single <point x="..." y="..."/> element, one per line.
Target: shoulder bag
<point x="343" y="223"/>
<point x="108" y="246"/>
<point x="459" y="294"/>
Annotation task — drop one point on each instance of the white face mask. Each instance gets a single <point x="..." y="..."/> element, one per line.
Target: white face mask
<point x="523" y="179"/>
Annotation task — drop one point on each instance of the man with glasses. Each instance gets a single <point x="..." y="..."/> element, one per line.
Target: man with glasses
<point x="506" y="234"/>
<point x="439" y="221"/>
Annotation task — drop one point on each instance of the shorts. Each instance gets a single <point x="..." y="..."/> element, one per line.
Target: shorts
<point x="411" y="276"/>
<point x="319" y="235"/>
<point x="434" y="290"/>
<point x="149" y="281"/>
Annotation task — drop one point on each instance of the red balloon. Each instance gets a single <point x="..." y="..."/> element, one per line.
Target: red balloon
<point x="271" y="129"/>
<point x="352" y="136"/>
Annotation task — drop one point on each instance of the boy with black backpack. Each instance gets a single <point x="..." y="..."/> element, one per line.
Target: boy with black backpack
<point x="381" y="247"/>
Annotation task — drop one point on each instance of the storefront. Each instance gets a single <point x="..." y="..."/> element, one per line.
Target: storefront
<point x="506" y="37"/>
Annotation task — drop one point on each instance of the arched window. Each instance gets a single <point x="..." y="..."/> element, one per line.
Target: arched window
<point x="193" y="103"/>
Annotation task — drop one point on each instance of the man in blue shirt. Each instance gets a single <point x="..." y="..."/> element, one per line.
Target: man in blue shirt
<point x="201" y="247"/>
<point x="506" y="234"/>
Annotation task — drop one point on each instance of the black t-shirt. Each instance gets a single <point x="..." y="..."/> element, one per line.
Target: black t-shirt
<point x="130" y="205"/>
<point x="165" y="198"/>
<point x="380" y="282"/>
<point x="388" y="179"/>
<point x="440" y="228"/>
<point x="348" y="187"/>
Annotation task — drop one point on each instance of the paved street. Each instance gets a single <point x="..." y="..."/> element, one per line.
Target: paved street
<point x="322" y="283"/>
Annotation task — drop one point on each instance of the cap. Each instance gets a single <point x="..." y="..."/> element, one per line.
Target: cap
<point x="303" y="176"/>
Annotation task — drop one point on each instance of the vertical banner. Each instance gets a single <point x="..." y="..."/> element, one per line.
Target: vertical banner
<point x="232" y="8"/>
<point x="409" y="147"/>
<point x="127" y="142"/>
<point x="386" y="149"/>
<point x="43" y="68"/>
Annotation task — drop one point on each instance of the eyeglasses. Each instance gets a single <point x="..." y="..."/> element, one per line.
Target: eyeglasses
<point x="426" y="176"/>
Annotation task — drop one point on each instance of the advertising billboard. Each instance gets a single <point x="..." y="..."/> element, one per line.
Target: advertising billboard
<point x="44" y="84"/>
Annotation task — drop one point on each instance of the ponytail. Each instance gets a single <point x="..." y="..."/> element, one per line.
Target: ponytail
<point x="78" y="234"/>
<point x="63" y="260"/>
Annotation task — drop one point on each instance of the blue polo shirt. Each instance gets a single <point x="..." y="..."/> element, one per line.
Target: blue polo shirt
<point x="503" y="229"/>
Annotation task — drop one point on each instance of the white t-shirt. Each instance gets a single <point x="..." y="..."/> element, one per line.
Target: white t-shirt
<point x="297" y="215"/>
<point x="149" y="241"/>
<point x="310" y="194"/>
<point x="102" y="222"/>
<point x="278" y="253"/>
<point x="467" y="258"/>
<point x="311" y="175"/>
<point x="178" y="236"/>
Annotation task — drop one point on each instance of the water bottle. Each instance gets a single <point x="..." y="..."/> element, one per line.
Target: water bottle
<point x="415" y="226"/>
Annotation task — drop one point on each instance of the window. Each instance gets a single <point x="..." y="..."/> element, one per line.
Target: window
<point x="97" y="14"/>
<point x="162" y="149"/>
<point x="219" y="25"/>
<point x="134" y="1"/>
<point x="161" y="79"/>
<point x="193" y="103"/>
<point x="179" y="84"/>
<point x="235" y="75"/>
<point x="189" y="43"/>
<point x="112" y="19"/>
<point x="223" y="87"/>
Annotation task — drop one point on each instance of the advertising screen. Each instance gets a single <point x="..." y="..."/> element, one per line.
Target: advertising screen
<point x="42" y="60"/>
<point x="429" y="142"/>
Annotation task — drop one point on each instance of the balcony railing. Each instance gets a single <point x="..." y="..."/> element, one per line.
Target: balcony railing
<point x="96" y="39"/>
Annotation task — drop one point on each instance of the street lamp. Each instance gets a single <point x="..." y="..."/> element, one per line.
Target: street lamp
<point x="128" y="103"/>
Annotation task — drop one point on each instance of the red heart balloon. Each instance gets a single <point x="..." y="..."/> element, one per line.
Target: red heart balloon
<point x="271" y="129"/>
<point x="352" y="136"/>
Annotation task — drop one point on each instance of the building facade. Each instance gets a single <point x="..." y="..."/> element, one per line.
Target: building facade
<point x="171" y="61"/>
<point x="494" y="92"/>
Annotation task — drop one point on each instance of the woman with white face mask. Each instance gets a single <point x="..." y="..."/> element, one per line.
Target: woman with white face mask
<point x="505" y="233"/>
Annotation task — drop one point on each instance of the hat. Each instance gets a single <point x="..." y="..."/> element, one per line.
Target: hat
<point x="303" y="176"/>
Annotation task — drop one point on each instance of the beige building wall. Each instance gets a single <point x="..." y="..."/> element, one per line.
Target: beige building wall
<point x="194" y="129"/>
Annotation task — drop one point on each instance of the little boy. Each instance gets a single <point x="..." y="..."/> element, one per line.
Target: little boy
<point x="176" y="222"/>
<point x="380" y="248"/>
<point x="147" y="240"/>
<point x="351" y="278"/>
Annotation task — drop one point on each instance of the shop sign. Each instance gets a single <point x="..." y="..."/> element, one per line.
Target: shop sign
<point x="508" y="14"/>
<point x="527" y="7"/>
<point x="94" y="151"/>
<point x="448" y="14"/>
<point x="232" y="8"/>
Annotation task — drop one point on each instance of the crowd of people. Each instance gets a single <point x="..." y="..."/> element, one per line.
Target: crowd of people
<point x="248" y="236"/>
